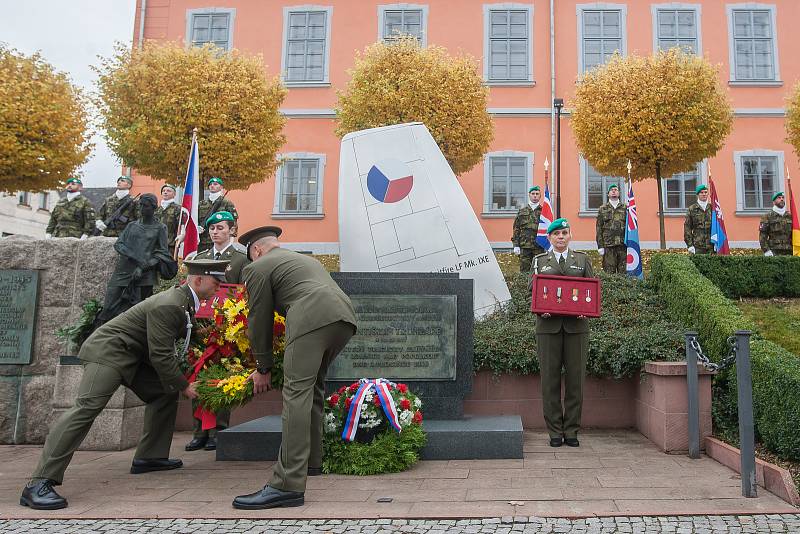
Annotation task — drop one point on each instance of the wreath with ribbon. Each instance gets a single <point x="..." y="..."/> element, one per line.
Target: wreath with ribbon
<point x="372" y="426"/>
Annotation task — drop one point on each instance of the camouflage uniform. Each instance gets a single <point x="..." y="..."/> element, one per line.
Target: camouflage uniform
<point x="71" y="218"/>
<point x="126" y="216"/>
<point x="775" y="233"/>
<point x="610" y="236"/>
<point x="526" y="224"/>
<point x="204" y="211"/>
<point x="697" y="229"/>
<point x="170" y="217"/>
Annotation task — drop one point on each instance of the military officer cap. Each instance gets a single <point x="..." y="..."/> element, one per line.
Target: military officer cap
<point x="74" y="179"/>
<point x="776" y="195"/>
<point x="248" y="238"/>
<point x="170" y="186"/>
<point x="219" y="217"/>
<point x="558" y="224"/>
<point x="701" y="187"/>
<point x="534" y="188"/>
<point x="126" y="178"/>
<point x="215" y="268"/>
<point x="215" y="179"/>
<point x="610" y="187"/>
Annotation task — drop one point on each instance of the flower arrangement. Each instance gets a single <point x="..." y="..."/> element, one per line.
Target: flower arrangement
<point x="371" y="427"/>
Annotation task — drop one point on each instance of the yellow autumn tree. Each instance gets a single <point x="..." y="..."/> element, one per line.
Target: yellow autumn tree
<point x="44" y="125"/>
<point x="663" y="112"/>
<point x="398" y="82"/>
<point x="152" y="99"/>
<point x="793" y="118"/>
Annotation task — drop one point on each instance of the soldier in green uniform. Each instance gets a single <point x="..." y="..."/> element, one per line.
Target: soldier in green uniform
<point x="111" y="221"/>
<point x="610" y="232"/>
<point x="775" y="229"/>
<point x="319" y="322"/>
<point x="215" y="202"/>
<point x="563" y="342"/>
<point x="697" y="226"/>
<point x="169" y="214"/>
<point x="72" y="216"/>
<point x="135" y="350"/>
<point x="220" y="226"/>
<point x="526" y="224"/>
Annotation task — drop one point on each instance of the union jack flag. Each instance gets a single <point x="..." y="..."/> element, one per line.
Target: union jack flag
<point x="545" y="219"/>
<point x="633" y="264"/>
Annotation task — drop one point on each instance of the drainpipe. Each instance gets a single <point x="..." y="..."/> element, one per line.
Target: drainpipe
<point x="552" y="93"/>
<point x="142" y="9"/>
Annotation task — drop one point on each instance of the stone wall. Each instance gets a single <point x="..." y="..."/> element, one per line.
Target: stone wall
<point x="70" y="273"/>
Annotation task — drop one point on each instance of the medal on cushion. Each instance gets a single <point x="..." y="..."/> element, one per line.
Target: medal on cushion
<point x="558" y="295"/>
<point x="588" y="296"/>
<point x="544" y="293"/>
<point x="575" y="294"/>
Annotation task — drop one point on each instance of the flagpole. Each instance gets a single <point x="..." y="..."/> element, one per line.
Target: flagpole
<point x="182" y="224"/>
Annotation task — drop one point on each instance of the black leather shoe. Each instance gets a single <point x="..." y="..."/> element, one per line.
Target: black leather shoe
<point x="268" y="497"/>
<point x="40" y="495"/>
<point x="572" y="442"/>
<point x="196" y="444"/>
<point x="145" y="465"/>
<point x="211" y="444"/>
<point x="555" y="442"/>
<point x="314" y="471"/>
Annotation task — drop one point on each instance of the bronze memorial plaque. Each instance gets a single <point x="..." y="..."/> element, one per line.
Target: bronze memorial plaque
<point x="400" y="337"/>
<point x="18" y="292"/>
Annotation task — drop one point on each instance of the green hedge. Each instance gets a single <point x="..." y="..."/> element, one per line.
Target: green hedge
<point x="752" y="276"/>
<point x="702" y="306"/>
<point x="634" y="328"/>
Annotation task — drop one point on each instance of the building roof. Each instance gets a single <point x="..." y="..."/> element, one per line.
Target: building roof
<point x="96" y="195"/>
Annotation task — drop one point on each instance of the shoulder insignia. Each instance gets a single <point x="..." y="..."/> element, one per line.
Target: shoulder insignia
<point x="541" y="254"/>
<point x="240" y="248"/>
<point x="579" y="252"/>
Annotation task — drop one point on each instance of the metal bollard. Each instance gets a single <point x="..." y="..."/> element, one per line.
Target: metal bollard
<point x="694" y="404"/>
<point x="744" y="386"/>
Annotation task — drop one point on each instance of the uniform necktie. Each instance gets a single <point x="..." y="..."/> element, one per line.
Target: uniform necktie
<point x="562" y="263"/>
<point x="217" y="255"/>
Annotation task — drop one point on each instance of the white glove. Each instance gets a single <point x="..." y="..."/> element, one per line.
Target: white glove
<point x="84" y="236"/>
<point x="517" y="251"/>
<point x="602" y="251"/>
<point x="179" y="238"/>
<point x="48" y="236"/>
<point x="691" y="250"/>
<point x="100" y="225"/>
<point x="768" y="253"/>
<point x="200" y="229"/>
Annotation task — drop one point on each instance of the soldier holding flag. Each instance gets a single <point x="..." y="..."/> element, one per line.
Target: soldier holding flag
<point x="697" y="225"/>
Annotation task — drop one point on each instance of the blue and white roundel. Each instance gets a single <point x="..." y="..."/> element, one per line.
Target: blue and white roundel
<point x="633" y="260"/>
<point x="390" y="180"/>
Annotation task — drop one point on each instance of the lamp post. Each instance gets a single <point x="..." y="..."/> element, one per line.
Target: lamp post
<point x="558" y="103"/>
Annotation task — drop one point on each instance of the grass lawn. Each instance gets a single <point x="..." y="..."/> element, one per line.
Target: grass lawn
<point x="777" y="319"/>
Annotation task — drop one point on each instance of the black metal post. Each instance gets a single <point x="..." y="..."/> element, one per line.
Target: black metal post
<point x="693" y="404"/>
<point x="558" y="103"/>
<point x="744" y="383"/>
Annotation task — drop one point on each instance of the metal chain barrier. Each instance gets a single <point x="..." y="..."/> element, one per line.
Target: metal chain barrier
<point x="724" y="363"/>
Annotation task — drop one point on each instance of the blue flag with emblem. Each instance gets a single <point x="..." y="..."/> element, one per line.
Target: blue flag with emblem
<point x="633" y="264"/>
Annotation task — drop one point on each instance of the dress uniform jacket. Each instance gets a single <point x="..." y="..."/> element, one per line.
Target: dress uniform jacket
<point x="236" y="254"/>
<point x="576" y="264"/>
<point x="71" y="218"/>
<point x="204" y="210"/>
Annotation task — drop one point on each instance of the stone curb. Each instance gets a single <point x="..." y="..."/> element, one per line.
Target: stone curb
<point x="774" y="479"/>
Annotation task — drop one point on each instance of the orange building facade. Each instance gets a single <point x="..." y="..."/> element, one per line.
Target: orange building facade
<point x="528" y="53"/>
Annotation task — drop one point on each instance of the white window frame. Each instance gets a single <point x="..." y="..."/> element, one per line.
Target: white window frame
<point x="24" y="199"/>
<point x="585" y="210"/>
<point x="382" y="9"/>
<point x="749" y="6"/>
<point x="276" y="207"/>
<point x="326" y="80"/>
<point x="601" y="6"/>
<point x="487" y="19"/>
<point x="702" y="178"/>
<point x="44" y="196"/>
<point x="672" y="6"/>
<point x="737" y="162"/>
<point x="191" y="13"/>
<point x="488" y="212"/>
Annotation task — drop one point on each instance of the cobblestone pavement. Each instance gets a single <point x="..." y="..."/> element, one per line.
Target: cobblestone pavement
<point x="677" y="524"/>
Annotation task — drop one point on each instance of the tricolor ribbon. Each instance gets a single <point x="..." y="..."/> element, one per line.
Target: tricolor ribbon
<point x="207" y="417"/>
<point x="381" y="387"/>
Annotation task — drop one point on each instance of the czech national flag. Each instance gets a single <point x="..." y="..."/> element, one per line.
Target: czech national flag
<point x="633" y="264"/>
<point x="191" y="193"/>
<point x="545" y="219"/>
<point x="718" y="235"/>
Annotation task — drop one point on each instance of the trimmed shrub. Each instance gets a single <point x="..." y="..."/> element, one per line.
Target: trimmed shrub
<point x="634" y="328"/>
<point x="752" y="276"/>
<point x="694" y="299"/>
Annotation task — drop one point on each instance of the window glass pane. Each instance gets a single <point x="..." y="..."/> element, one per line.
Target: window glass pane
<point x="741" y="24"/>
<point x="666" y="24"/>
<point x="762" y="24"/>
<point x="499" y="24"/>
<point x="297" y="26"/>
<point x="611" y="23"/>
<point x="591" y="24"/>
<point x="305" y="59"/>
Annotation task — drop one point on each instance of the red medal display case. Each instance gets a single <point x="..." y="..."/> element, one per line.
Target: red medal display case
<point x="206" y="310"/>
<point x="565" y="295"/>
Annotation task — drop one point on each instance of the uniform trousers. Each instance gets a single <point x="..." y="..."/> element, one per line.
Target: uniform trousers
<point x="614" y="259"/>
<point x="305" y="364"/>
<point x="98" y="384"/>
<point x="567" y="351"/>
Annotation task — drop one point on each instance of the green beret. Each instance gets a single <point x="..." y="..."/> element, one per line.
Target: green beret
<point x="169" y="186"/>
<point x="74" y="179"/>
<point x="701" y="187"/>
<point x="558" y="224"/>
<point x="534" y="188"/>
<point x="610" y="187"/>
<point x="126" y="178"/>
<point x="219" y="217"/>
<point x="778" y="194"/>
<point x="215" y="179"/>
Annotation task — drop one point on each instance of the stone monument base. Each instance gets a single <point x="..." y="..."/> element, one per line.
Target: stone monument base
<point x="471" y="438"/>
